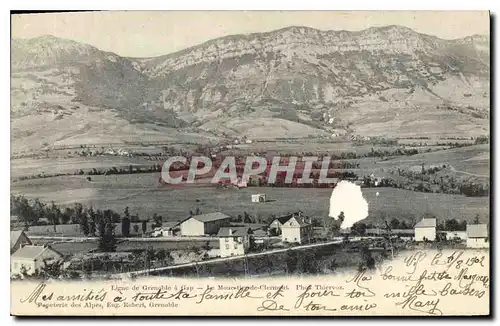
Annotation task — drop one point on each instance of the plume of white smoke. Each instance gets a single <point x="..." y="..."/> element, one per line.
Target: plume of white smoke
<point x="348" y="198"/>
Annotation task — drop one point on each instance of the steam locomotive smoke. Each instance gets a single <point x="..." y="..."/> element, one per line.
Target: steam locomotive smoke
<point x="348" y="198"/>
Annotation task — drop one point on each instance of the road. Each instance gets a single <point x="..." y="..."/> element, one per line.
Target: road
<point x="217" y="260"/>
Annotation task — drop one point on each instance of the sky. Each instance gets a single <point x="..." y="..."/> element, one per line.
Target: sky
<point x="154" y="33"/>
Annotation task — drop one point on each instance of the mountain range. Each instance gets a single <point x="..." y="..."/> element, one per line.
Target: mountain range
<point x="295" y="82"/>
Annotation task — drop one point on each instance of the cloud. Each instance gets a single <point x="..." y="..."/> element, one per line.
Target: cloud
<point x="348" y="198"/>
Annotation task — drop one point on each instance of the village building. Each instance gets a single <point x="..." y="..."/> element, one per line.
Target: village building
<point x="425" y="230"/>
<point x="455" y="235"/>
<point x="17" y="240"/>
<point x="32" y="258"/>
<point x="234" y="240"/>
<point x="276" y="224"/>
<point x="260" y="236"/>
<point x="296" y="230"/>
<point x="477" y="236"/>
<point x="204" y="224"/>
<point x="167" y="229"/>
<point x="258" y="198"/>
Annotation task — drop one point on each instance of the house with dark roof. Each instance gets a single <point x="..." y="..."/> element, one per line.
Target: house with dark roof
<point x="32" y="258"/>
<point x="277" y="223"/>
<point x="425" y="230"/>
<point x="296" y="230"/>
<point x="204" y="224"/>
<point x="477" y="236"/>
<point x="234" y="240"/>
<point x="17" y="240"/>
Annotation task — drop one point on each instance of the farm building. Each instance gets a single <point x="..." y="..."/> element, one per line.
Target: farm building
<point x="296" y="229"/>
<point x="455" y="235"/>
<point x="167" y="229"/>
<point x="234" y="241"/>
<point x="17" y="240"/>
<point x="425" y="230"/>
<point x="258" y="198"/>
<point x="32" y="258"/>
<point x="204" y="224"/>
<point x="477" y="236"/>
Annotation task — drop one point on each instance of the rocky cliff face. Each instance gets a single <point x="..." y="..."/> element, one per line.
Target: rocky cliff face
<point x="298" y="74"/>
<point x="308" y="66"/>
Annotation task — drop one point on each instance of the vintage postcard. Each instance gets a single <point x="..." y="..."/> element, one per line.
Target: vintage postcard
<point x="250" y="163"/>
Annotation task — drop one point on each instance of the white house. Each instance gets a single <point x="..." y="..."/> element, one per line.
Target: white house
<point x="258" y="198"/>
<point x="17" y="240"/>
<point x="477" y="236"/>
<point x="234" y="240"/>
<point x="425" y="230"/>
<point x="32" y="258"/>
<point x="452" y="235"/>
<point x="204" y="224"/>
<point x="296" y="229"/>
<point x="167" y="229"/>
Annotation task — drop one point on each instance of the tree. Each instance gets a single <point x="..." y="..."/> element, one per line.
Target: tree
<point x="107" y="239"/>
<point x="78" y="213"/>
<point x="164" y="256"/>
<point x="84" y="224"/>
<point x="158" y="220"/>
<point x="136" y="228"/>
<point x="395" y="224"/>
<point x="333" y="265"/>
<point x="92" y="221"/>
<point x="341" y="217"/>
<point x="126" y="226"/>
<point x="52" y="269"/>
<point x="451" y="225"/>
<point x="307" y="263"/>
<point x="290" y="261"/>
<point x="367" y="260"/>
<point x="144" y="227"/>
<point x="53" y="215"/>
<point x="149" y="257"/>
<point x="206" y="248"/>
<point x="66" y="216"/>
<point x="126" y="213"/>
<point x="246" y="218"/>
<point x="332" y="227"/>
<point x="359" y="228"/>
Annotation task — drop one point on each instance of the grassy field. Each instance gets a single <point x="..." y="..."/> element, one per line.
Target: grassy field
<point x="143" y="195"/>
<point x="29" y="166"/>
<point x="471" y="159"/>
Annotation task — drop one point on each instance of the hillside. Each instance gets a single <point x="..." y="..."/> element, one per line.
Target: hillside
<point x="309" y="83"/>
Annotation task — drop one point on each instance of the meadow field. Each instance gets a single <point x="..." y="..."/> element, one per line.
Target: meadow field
<point x="474" y="160"/>
<point x="145" y="196"/>
<point x="50" y="165"/>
